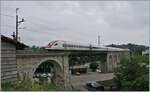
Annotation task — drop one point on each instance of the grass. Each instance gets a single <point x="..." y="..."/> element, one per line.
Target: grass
<point x="6" y="87"/>
<point x="27" y="85"/>
<point x="30" y="87"/>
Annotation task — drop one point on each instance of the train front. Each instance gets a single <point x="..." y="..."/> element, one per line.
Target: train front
<point x="55" y="45"/>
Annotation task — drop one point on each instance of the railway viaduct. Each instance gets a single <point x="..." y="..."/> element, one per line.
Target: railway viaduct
<point x="62" y="61"/>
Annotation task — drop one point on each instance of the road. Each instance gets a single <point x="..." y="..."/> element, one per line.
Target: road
<point x="78" y="82"/>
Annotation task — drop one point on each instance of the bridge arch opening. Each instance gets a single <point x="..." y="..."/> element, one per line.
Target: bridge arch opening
<point x="47" y="71"/>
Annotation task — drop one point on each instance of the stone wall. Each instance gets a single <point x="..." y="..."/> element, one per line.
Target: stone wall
<point x="27" y="64"/>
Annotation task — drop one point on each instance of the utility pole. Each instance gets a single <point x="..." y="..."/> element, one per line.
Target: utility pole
<point x="13" y="36"/>
<point x="98" y="40"/>
<point x="16" y="38"/>
<point x="17" y="24"/>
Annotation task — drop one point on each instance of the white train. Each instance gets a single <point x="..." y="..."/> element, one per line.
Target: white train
<point x="66" y="45"/>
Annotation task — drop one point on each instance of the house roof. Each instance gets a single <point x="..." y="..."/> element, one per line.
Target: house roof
<point x="18" y="44"/>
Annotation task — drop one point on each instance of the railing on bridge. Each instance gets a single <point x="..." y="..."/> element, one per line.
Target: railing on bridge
<point x="40" y="53"/>
<point x="31" y="51"/>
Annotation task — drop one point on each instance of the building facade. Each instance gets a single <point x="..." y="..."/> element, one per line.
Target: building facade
<point x="8" y="59"/>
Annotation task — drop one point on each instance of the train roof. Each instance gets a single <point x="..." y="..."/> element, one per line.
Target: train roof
<point x="101" y="48"/>
<point x="116" y="49"/>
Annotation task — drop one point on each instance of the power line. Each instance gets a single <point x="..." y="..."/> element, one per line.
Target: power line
<point x="9" y="26"/>
<point x="29" y="30"/>
<point x="7" y="15"/>
<point x="32" y="30"/>
<point x="21" y="18"/>
<point x="43" y="24"/>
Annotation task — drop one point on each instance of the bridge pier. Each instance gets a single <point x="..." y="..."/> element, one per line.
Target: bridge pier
<point x="66" y="73"/>
<point x="113" y="58"/>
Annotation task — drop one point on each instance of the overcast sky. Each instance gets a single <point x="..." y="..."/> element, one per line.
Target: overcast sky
<point x="117" y="22"/>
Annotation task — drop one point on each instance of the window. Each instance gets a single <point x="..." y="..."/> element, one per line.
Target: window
<point x="55" y="44"/>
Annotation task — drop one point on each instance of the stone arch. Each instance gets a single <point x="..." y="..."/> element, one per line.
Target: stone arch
<point x="53" y="61"/>
<point x="111" y="63"/>
<point x="57" y="67"/>
<point x="115" y="60"/>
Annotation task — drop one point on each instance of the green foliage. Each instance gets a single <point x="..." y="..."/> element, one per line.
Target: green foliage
<point x="141" y="83"/>
<point x="27" y="85"/>
<point x="93" y="66"/>
<point x="36" y="48"/>
<point x="23" y="85"/>
<point x="135" y="49"/>
<point x="131" y="76"/>
<point x="6" y="87"/>
<point x="141" y="59"/>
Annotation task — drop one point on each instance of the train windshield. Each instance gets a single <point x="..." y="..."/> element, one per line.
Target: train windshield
<point x="50" y="43"/>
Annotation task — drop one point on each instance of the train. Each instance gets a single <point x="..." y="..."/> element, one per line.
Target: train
<point x="67" y="45"/>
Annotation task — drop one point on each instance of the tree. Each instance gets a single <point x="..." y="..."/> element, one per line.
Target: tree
<point x="141" y="59"/>
<point x="135" y="49"/>
<point x="131" y="76"/>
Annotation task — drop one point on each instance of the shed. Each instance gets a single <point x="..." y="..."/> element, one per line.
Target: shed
<point x="8" y="58"/>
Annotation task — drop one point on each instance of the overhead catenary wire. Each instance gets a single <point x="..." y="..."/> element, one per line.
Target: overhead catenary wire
<point x="13" y="28"/>
<point x="9" y="26"/>
<point x="32" y="30"/>
<point x="27" y="30"/>
<point x="6" y="15"/>
<point x="30" y="21"/>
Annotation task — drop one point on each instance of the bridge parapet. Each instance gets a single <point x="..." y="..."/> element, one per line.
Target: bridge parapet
<point x="43" y="53"/>
<point x="31" y="51"/>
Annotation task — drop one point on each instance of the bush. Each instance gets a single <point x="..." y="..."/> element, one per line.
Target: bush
<point x="6" y="87"/>
<point x="141" y="59"/>
<point x="131" y="76"/>
<point x="27" y="85"/>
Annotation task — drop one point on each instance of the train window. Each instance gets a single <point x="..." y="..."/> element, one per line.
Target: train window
<point x="55" y="44"/>
<point x="50" y="43"/>
<point x="64" y="45"/>
<point x="68" y="45"/>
